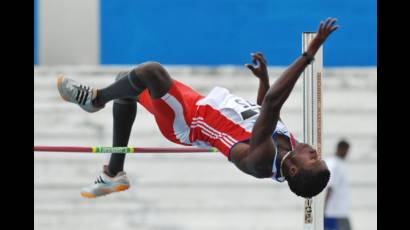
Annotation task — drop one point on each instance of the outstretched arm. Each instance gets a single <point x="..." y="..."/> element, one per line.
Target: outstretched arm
<point x="261" y="72"/>
<point x="280" y="90"/>
<point x="257" y="157"/>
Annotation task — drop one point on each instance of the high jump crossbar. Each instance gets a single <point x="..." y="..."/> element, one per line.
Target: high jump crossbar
<point x="130" y="150"/>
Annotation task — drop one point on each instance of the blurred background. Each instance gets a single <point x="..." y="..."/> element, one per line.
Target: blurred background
<point x="204" y="44"/>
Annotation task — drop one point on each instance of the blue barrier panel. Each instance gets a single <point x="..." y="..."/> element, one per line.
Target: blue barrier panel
<point x="215" y="32"/>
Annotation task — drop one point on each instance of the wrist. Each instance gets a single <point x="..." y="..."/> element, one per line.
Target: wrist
<point x="314" y="46"/>
<point x="308" y="57"/>
<point x="264" y="78"/>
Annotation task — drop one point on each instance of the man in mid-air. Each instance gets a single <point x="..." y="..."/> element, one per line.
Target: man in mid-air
<point x="252" y="136"/>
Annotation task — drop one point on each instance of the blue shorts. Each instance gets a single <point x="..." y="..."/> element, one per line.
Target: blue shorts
<point x="337" y="223"/>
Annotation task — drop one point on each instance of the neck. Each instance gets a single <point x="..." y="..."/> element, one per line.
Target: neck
<point x="283" y="145"/>
<point x="281" y="154"/>
<point x="282" y="162"/>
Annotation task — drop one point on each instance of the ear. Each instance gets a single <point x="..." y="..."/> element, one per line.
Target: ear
<point x="292" y="169"/>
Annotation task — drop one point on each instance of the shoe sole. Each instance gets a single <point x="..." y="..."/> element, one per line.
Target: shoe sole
<point x="118" y="188"/>
<point x="59" y="83"/>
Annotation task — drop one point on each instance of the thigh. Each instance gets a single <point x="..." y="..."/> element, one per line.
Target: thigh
<point x="174" y="111"/>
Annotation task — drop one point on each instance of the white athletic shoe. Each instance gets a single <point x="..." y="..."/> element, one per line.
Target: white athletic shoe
<point x="105" y="185"/>
<point x="77" y="93"/>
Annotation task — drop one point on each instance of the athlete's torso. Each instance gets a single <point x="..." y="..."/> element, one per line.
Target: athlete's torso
<point x="223" y="120"/>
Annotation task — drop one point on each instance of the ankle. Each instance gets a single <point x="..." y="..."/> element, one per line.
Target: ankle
<point x="107" y="171"/>
<point x="94" y="100"/>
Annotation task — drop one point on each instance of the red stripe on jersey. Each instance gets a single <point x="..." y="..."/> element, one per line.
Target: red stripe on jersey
<point x="210" y="123"/>
<point x="292" y="141"/>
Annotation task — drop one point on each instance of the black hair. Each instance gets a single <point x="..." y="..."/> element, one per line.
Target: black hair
<point x="306" y="183"/>
<point x="343" y="144"/>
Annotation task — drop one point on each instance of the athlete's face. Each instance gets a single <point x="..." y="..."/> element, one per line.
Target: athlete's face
<point x="305" y="156"/>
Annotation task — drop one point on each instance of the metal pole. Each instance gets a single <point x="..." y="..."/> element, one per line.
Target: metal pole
<point x="312" y="127"/>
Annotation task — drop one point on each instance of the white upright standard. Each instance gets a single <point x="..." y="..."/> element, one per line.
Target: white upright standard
<point x="312" y="127"/>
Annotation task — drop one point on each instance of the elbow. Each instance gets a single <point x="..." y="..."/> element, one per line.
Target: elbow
<point x="273" y="101"/>
<point x="269" y="98"/>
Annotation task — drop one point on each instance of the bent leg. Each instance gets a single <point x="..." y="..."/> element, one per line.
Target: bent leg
<point x="125" y="91"/>
<point x="149" y="75"/>
<point x="124" y="112"/>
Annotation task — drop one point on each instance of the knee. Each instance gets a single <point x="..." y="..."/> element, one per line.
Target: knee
<point x="151" y="74"/>
<point x="152" y="69"/>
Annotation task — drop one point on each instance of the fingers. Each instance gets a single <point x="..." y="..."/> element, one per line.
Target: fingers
<point x="251" y="67"/>
<point x="327" y="27"/>
<point x="328" y="20"/>
<point x="259" y="54"/>
<point x="330" y="24"/>
<point x="334" y="28"/>
<point x="259" y="57"/>
<point x="254" y="59"/>
<point x="321" y="26"/>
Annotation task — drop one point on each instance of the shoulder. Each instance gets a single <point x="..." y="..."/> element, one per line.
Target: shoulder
<point x="238" y="152"/>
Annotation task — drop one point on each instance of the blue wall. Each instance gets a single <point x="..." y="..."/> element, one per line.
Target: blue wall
<point x="214" y="32"/>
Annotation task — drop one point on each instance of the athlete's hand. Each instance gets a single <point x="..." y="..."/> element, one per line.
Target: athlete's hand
<point x="259" y="69"/>
<point x="326" y="28"/>
<point x="323" y="32"/>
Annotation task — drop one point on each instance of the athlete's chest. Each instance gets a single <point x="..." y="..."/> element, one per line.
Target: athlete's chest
<point x="231" y="106"/>
<point x="239" y="109"/>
